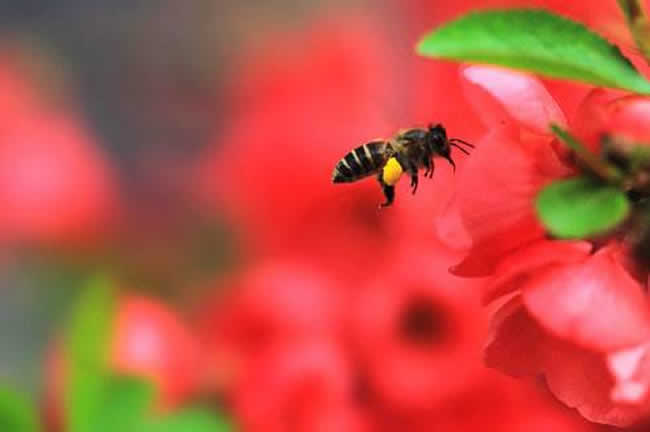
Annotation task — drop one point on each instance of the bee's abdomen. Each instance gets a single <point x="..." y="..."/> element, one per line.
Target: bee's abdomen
<point x="360" y="162"/>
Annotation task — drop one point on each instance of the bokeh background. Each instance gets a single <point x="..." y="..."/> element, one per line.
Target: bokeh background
<point x="186" y="149"/>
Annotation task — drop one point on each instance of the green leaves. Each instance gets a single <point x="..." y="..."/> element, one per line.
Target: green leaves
<point x="535" y="41"/>
<point x="127" y="408"/>
<point x="17" y="413"/>
<point x="125" y="402"/>
<point x="187" y="421"/>
<point x="86" y="351"/>
<point x="581" y="207"/>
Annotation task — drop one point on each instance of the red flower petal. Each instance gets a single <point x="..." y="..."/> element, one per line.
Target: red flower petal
<point x="591" y="118"/>
<point x="56" y="186"/>
<point x="517" y="268"/>
<point x="450" y="229"/>
<point x="501" y="94"/>
<point x="272" y="303"/>
<point x="276" y="303"/>
<point x="301" y="387"/>
<point x="150" y="340"/>
<point x="630" y="116"/>
<point x="595" y="303"/>
<point x="580" y="379"/>
<point x="631" y="368"/>
<point x="515" y="343"/>
<point x="496" y="193"/>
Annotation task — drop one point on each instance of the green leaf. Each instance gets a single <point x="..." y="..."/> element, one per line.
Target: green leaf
<point x="535" y="41"/>
<point x="191" y="420"/>
<point x="17" y="413"/>
<point x="124" y="405"/>
<point x="86" y="352"/>
<point x="581" y="207"/>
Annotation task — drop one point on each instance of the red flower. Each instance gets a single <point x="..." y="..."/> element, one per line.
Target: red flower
<point x="299" y="387"/>
<point x="275" y="350"/>
<point x="561" y="292"/>
<point x="497" y="403"/>
<point x="150" y="340"/>
<point x="272" y="304"/>
<point x="495" y="204"/>
<point x="56" y="187"/>
<point x="578" y="377"/>
<point x="418" y="331"/>
<point x="564" y="308"/>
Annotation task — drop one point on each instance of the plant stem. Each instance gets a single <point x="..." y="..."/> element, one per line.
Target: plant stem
<point x="638" y="24"/>
<point x="590" y="160"/>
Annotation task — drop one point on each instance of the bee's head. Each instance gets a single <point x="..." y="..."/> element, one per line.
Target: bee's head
<point x="438" y="143"/>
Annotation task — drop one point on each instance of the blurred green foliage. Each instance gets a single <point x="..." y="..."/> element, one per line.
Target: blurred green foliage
<point x="17" y="413"/>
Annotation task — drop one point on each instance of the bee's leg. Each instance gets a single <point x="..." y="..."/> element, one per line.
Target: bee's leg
<point x="413" y="172"/>
<point x="412" y="169"/>
<point x="388" y="190"/>
<point x="414" y="181"/>
<point x="428" y="164"/>
<point x="389" y="193"/>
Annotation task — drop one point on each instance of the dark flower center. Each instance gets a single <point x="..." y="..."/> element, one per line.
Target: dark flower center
<point x="423" y="322"/>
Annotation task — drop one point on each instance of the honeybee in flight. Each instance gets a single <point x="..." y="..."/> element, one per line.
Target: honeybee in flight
<point x="407" y="151"/>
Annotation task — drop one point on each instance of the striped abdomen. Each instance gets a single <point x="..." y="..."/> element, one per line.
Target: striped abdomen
<point x="360" y="162"/>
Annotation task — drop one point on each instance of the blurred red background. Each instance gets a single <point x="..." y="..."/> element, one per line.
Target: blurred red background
<point x="187" y="151"/>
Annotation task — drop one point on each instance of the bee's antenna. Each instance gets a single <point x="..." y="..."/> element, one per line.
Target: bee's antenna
<point x="461" y="141"/>
<point x="459" y="148"/>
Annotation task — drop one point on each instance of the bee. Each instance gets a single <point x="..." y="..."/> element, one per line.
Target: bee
<point x="407" y="151"/>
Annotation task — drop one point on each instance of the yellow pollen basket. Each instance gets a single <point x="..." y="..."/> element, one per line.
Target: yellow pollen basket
<point x="392" y="172"/>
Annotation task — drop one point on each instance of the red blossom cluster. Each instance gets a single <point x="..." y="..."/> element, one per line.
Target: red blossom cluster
<point x="575" y="312"/>
<point x="347" y="318"/>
